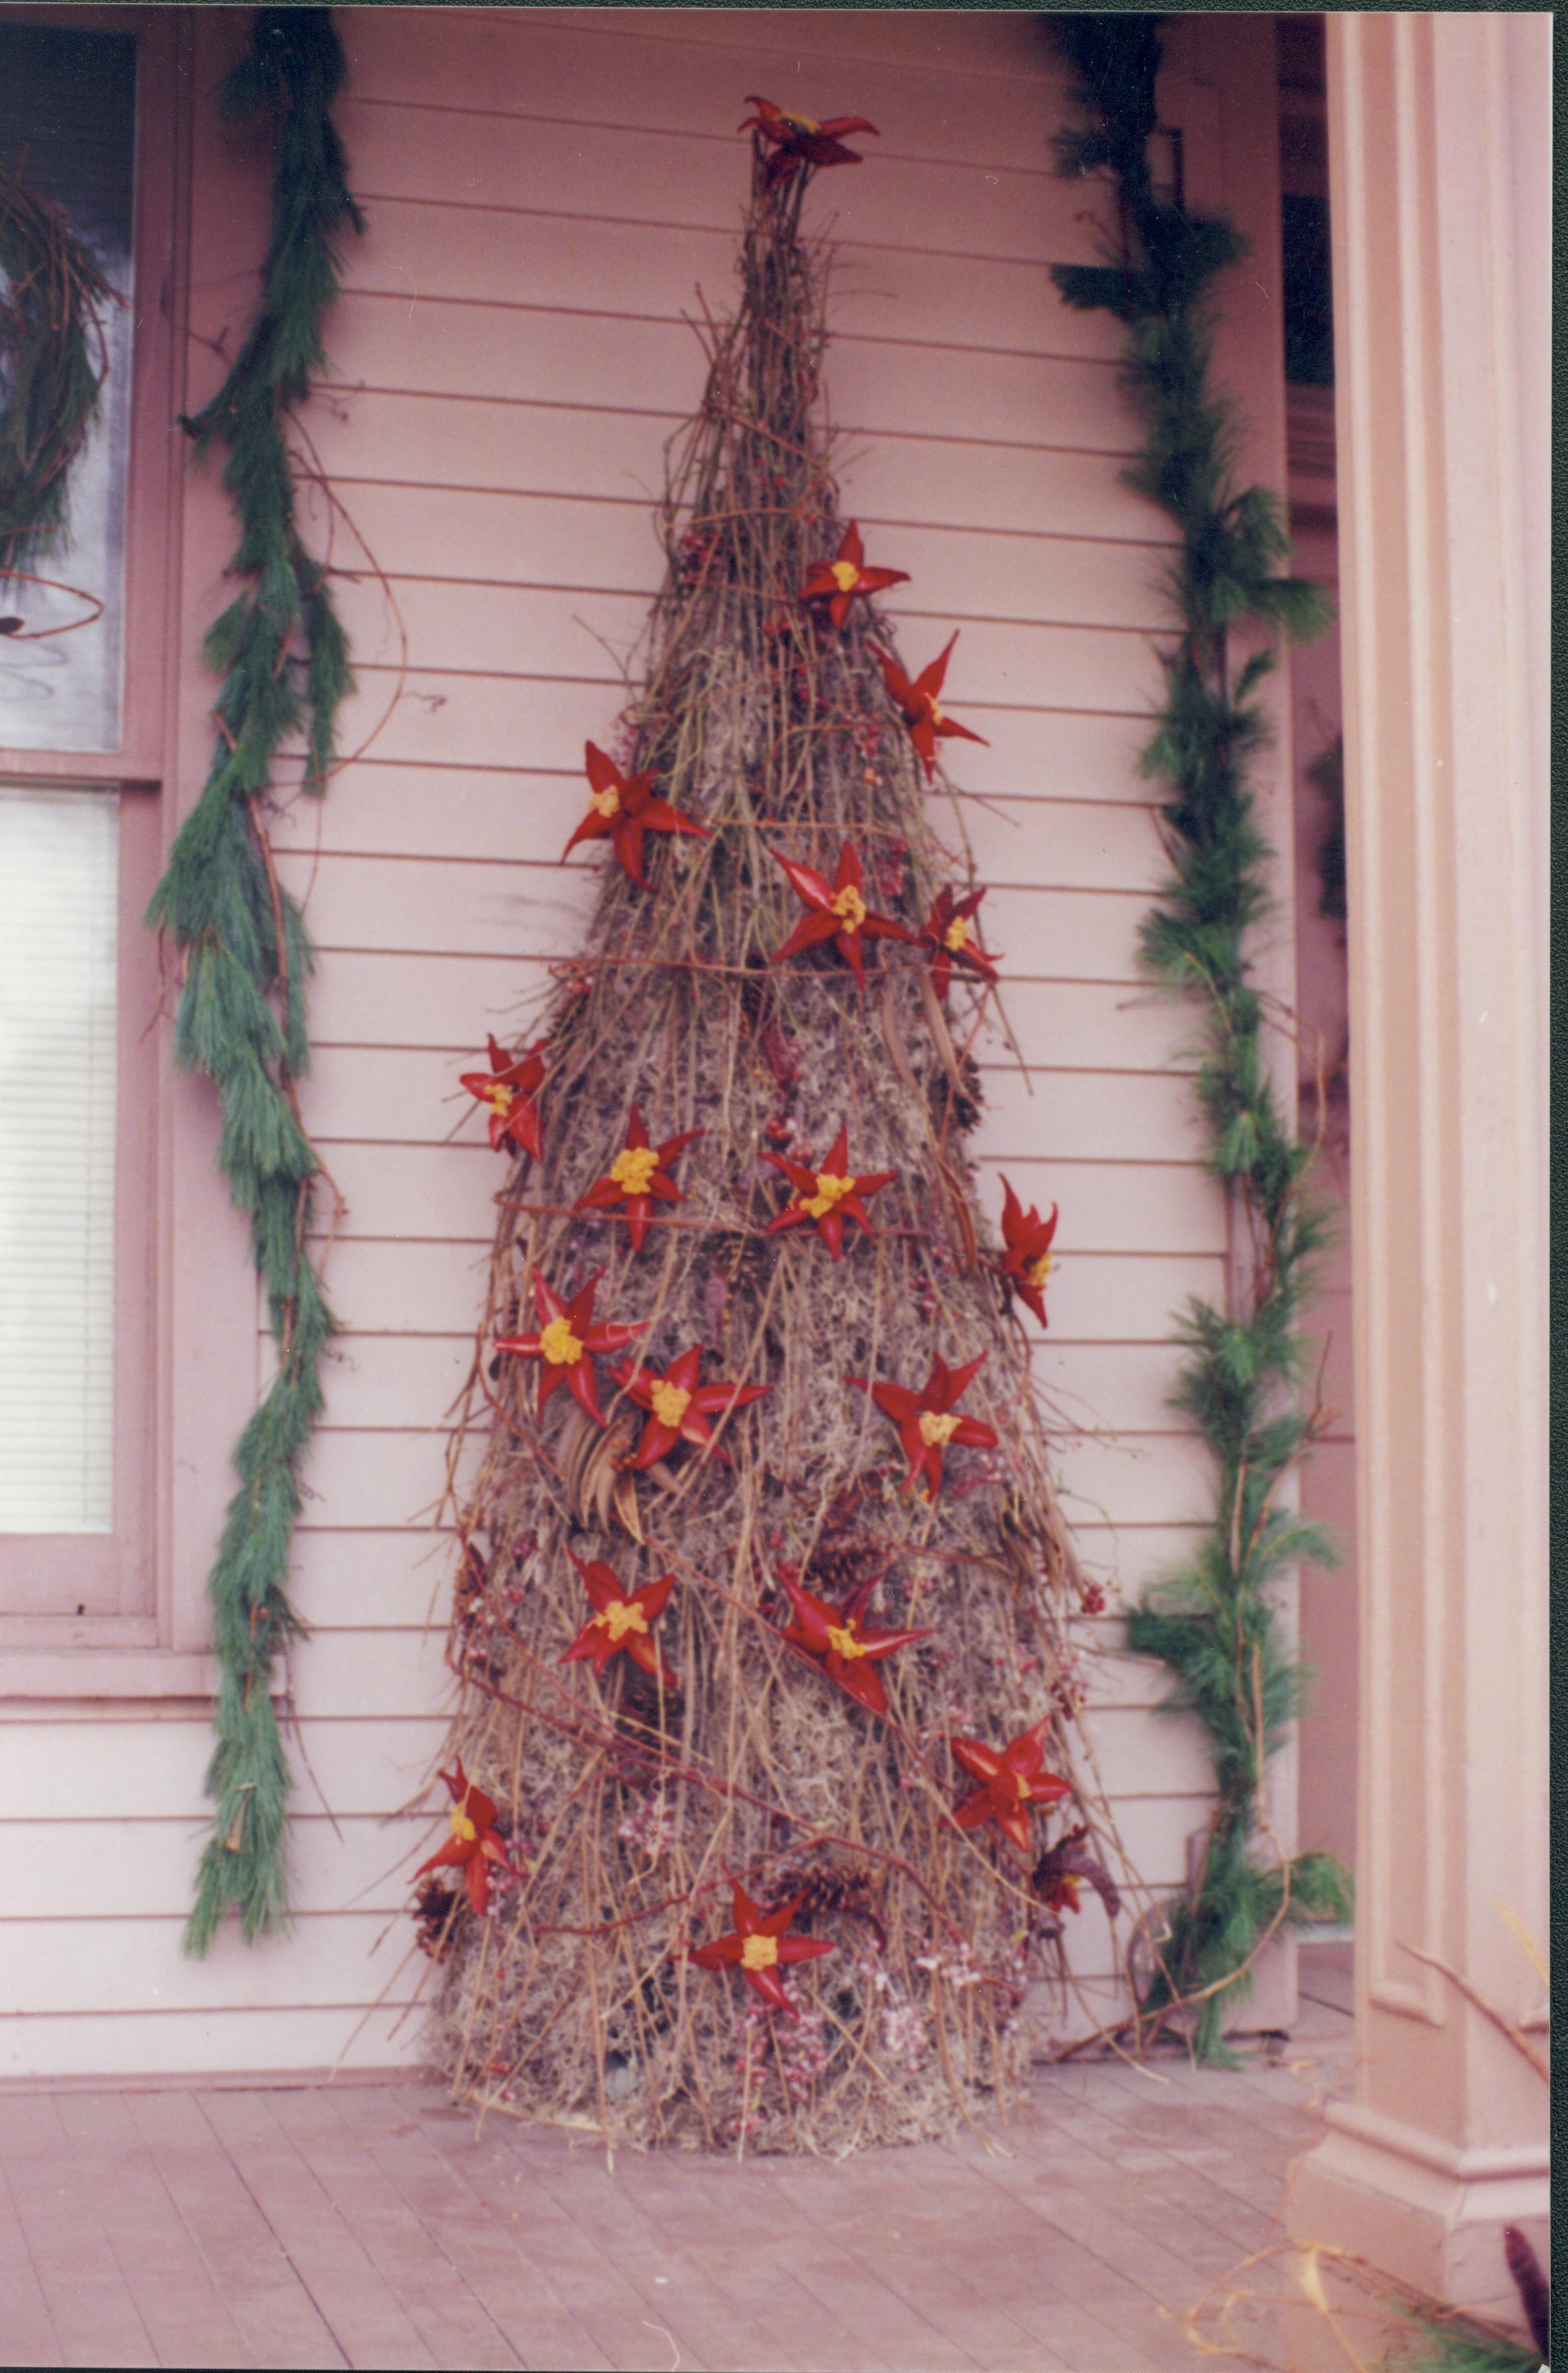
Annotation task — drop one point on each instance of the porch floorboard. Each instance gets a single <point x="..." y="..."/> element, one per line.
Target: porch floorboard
<point x="373" y="2227"/>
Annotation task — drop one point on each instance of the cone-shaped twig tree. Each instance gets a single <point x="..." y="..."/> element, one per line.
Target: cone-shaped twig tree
<point x="765" y="1767"/>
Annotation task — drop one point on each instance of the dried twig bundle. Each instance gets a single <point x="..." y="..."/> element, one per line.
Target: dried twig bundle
<point x="636" y="1791"/>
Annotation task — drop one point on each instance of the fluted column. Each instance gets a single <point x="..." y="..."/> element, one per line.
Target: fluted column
<point x="1439" y="130"/>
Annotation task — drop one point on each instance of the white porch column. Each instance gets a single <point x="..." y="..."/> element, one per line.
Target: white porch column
<point x="1439" y="136"/>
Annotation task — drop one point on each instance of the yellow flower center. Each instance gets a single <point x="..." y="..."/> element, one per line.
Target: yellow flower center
<point x="1038" y="1270"/>
<point x="498" y="1096"/>
<point x="759" y="1952"/>
<point x="800" y="122"/>
<point x="669" y="1403"/>
<point x="957" y="934"/>
<point x="632" y="1170"/>
<point x="850" y="907"/>
<point x="622" y="1615"/>
<point x="845" y="576"/>
<point x="938" y="1426"/>
<point x="463" y="1827"/>
<point x="605" y="802"/>
<point x="829" y="1191"/>
<point x="934" y="715"/>
<point x="559" y="1345"/>
<point x="842" y="1641"/>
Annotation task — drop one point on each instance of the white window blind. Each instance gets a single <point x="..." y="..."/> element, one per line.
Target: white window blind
<point x="59" y="900"/>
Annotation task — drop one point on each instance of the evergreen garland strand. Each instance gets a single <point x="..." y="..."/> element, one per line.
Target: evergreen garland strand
<point x="284" y="660"/>
<point x="1213" y="1621"/>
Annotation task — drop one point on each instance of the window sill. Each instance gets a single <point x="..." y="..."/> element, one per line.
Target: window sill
<point x="95" y="1673"/>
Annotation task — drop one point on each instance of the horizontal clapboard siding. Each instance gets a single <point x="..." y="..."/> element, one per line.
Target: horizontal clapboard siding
<point x="547" y="193"/>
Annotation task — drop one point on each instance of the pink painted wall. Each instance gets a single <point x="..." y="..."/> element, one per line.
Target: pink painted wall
<point x="546" y="191"/>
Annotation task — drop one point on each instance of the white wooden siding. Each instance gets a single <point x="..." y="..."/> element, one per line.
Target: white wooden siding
<point x="545" y="191"/>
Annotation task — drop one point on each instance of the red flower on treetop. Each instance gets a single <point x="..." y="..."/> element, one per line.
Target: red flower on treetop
<point x="637" y="1175"/>
<point x="1027" y="1257"/>
<point x="836" y="1639"/>
<point x="829" y="1195"/>
<point x="949" y="933"/>
<point x="473" y="1842"/>
<point x="926" y="1419"/>
<point x="566" y="1338"/>
<point x="622" y="1619"/>
<point x="510" y="1090"/>
<point x="621" y="808"/>
<point x="927" y="720"/>
<point x="1011" y="1783"/>
<point x="838" y="581"/>
<point x="757" y="1946"/>
<point x="797" y="140"/>
<point x="837" y="911"/>
<point x="679" y="1406"/>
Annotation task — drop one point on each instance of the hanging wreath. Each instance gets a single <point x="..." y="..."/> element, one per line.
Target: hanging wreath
<point x="53" y="362"/>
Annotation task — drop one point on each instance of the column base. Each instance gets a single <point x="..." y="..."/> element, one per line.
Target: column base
<point x="1430" y="2216"/>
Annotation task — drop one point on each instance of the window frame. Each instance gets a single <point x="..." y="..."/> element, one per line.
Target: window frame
<point x="141" y="1628"/>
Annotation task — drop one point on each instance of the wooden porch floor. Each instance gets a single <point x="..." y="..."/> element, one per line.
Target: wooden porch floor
<point x="365" y="2226"/>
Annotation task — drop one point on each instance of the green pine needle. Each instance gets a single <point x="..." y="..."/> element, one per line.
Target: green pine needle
<point x="1213" y="1623"/>
<point x="1455" y="2348"/>
<point x="284" y="660"/>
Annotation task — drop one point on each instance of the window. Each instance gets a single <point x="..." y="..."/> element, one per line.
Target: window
<point x="89" y="116"/>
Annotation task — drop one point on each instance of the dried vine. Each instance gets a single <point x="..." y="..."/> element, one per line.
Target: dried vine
<point x="1213" y="1622"/>
<point x="284" y="660"/>
<point x="629" y="1799"/>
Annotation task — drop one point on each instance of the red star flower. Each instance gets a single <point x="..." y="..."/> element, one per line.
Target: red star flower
<point x="846" y="577"/>
<point x="1063" y="1869"/>
<point x="510" y="1092"/>
<point x="797" y="140"/>
<point x="679" y="1406"/>
<point x="622" y="1619"/>
<point x="757" y="1946"/>
<point x="1027" y="1257"/>
<point x="637" y="1175"/>
<point x="621" y="808"/>
<point x="474" y="1842"/>
<point x="837" y="911"/>
<point x="839" y="1643"/>
<point x="927" y="721"/>
<point x="949" y="933"/>
<point x="1011" y="1783"/>
<point x="829" y="1195"/>
<point x="567" y="1335"/>
<point x="925" y="1420"/>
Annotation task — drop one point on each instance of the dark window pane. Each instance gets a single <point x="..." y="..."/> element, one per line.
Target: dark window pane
<point x="1308" y="293"/>
<point x="67" y="130"/>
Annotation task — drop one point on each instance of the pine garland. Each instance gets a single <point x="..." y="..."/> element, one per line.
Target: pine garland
<point x="1213" y="1622"/>
<point x="1459" y="2347"/>
<point x="284" y="660"/>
